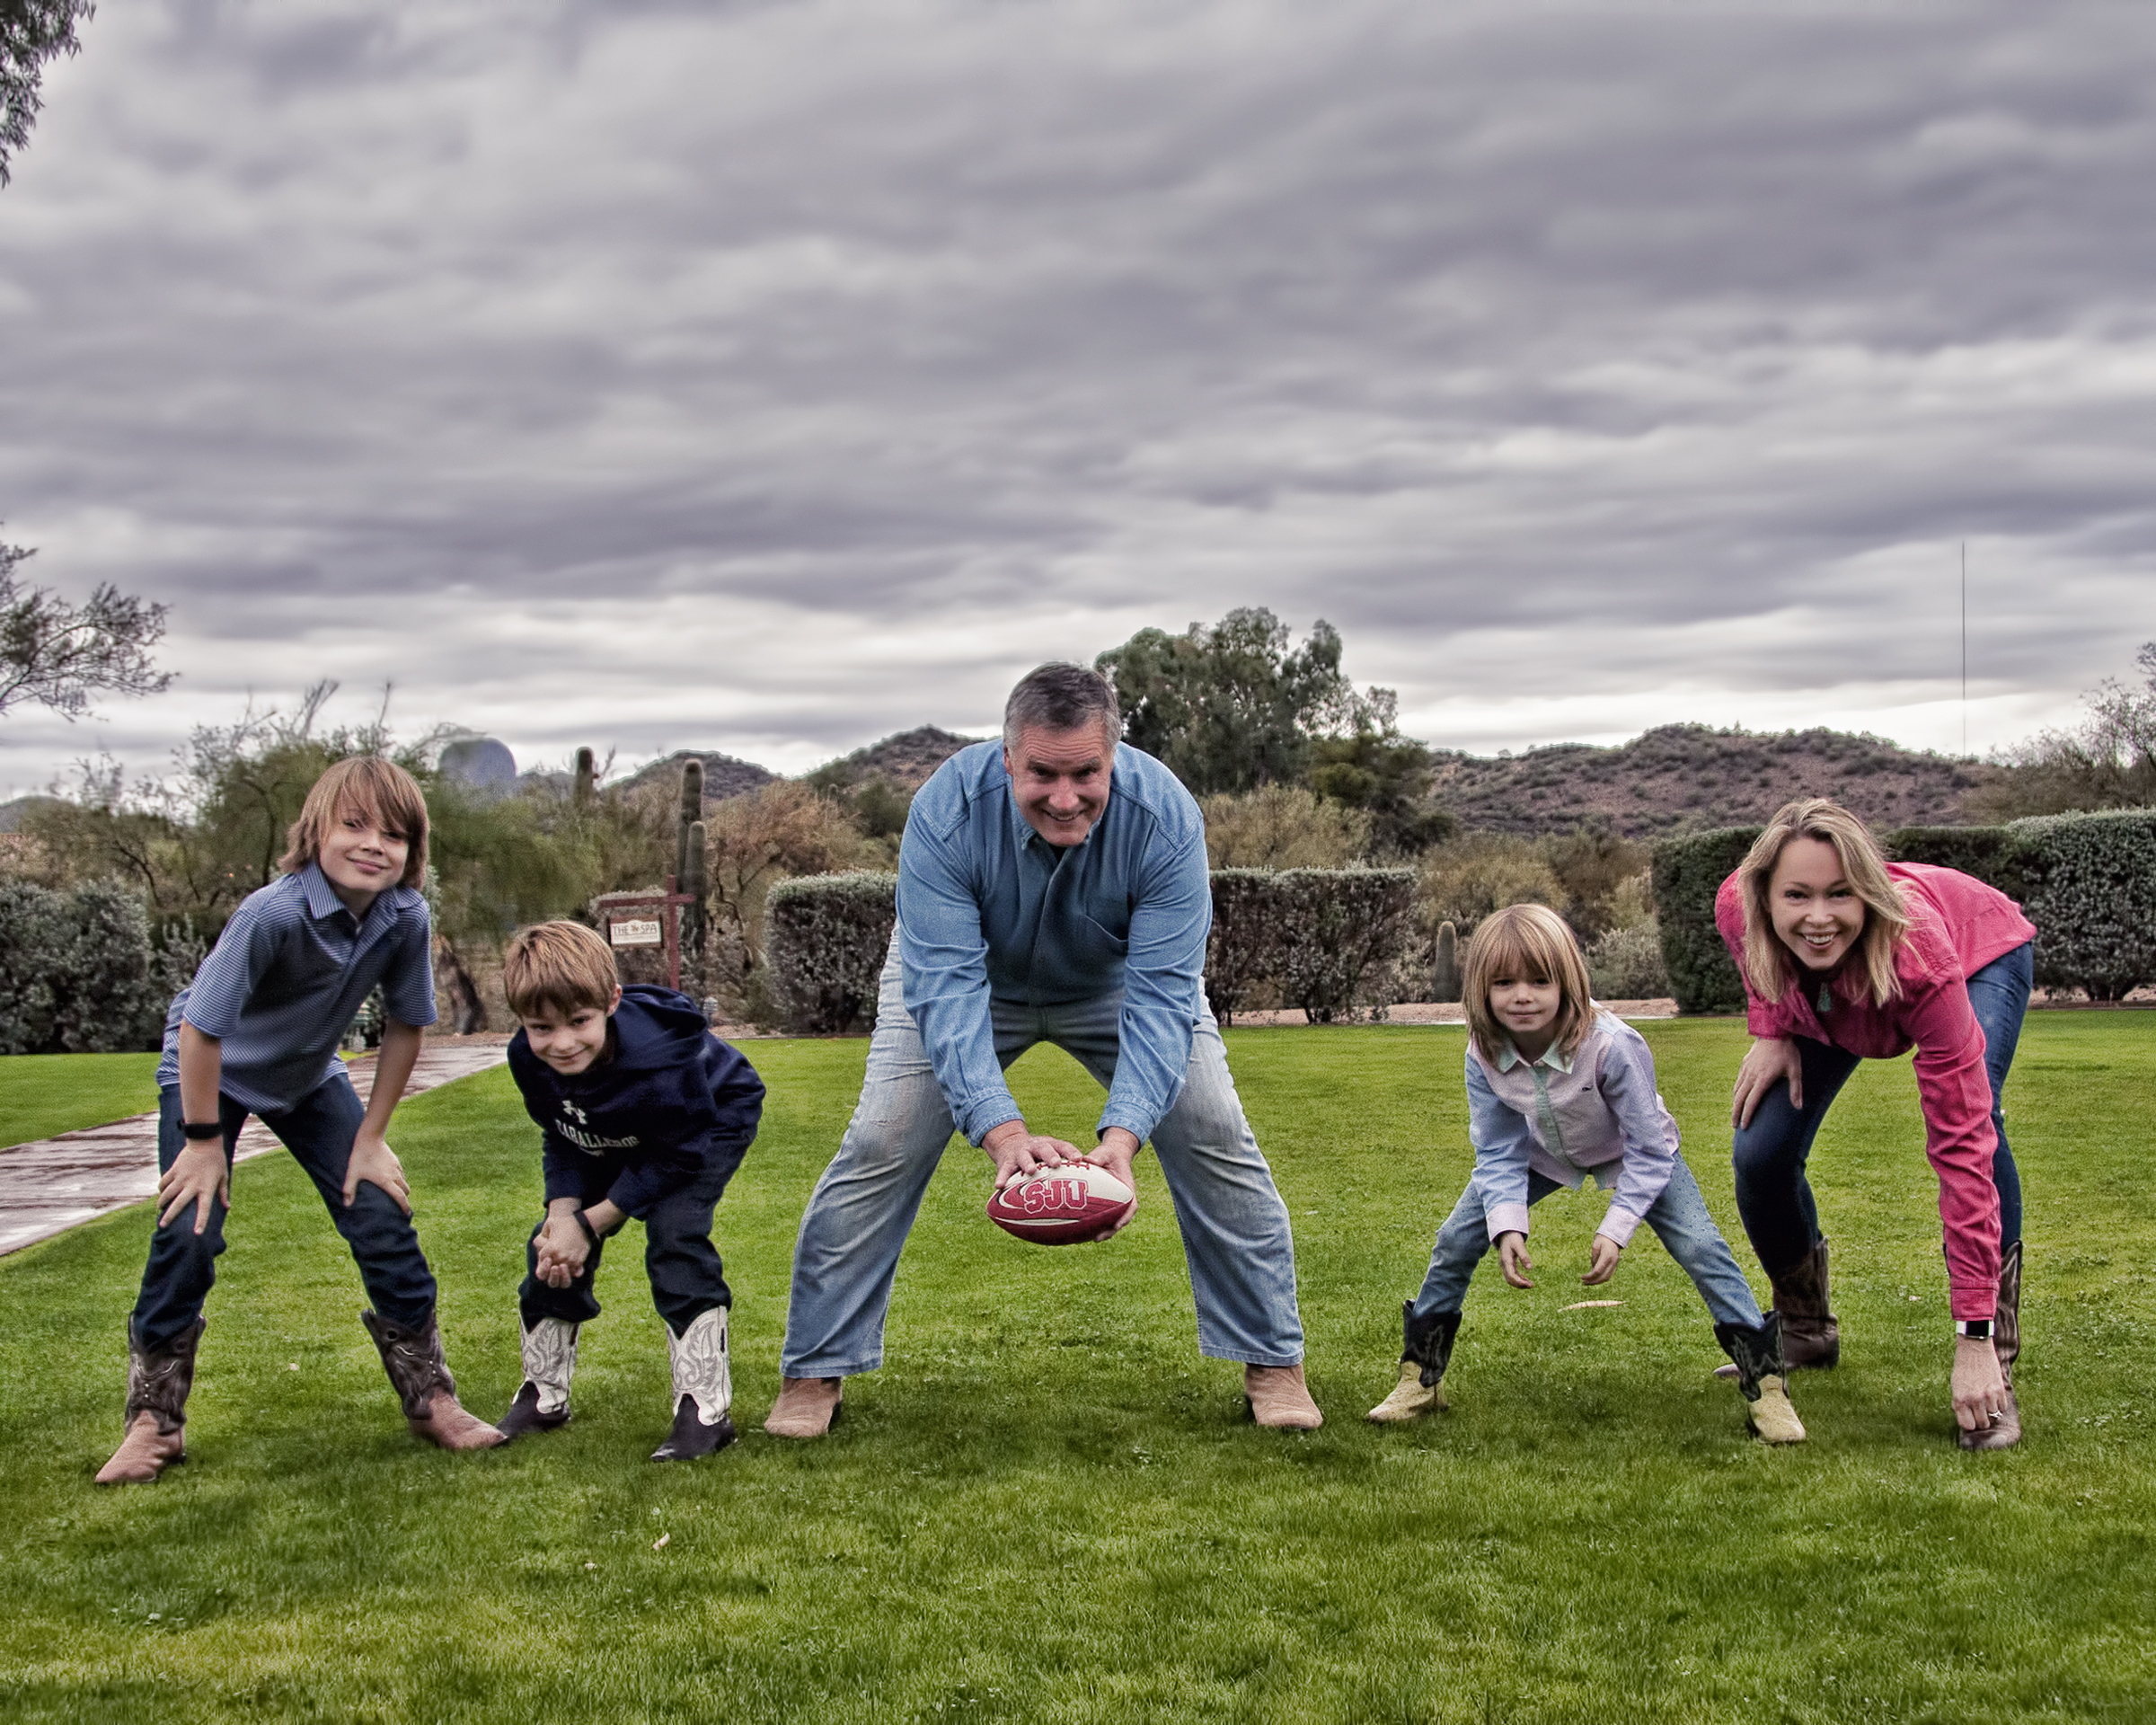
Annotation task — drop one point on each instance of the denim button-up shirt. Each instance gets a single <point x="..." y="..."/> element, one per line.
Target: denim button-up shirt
<point x="989" y="908"/>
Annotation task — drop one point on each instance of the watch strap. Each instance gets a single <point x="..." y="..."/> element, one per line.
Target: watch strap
<point x="198" y="1130"/>
<point x="1972" y="1328"/>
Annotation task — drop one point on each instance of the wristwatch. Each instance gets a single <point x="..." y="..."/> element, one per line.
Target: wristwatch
<point x="592" y="1234"/>
<point x="197" y="1130"/>
<point x="1972" y="1328"/>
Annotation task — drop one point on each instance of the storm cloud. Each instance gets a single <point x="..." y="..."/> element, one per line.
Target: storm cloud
<point x="771" y="377"/>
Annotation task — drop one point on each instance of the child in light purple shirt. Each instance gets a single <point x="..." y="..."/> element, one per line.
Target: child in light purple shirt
<point x="1558" y="1090"/>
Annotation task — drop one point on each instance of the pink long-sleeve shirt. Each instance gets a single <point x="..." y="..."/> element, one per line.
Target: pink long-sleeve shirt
<point x="1958" y="925"/>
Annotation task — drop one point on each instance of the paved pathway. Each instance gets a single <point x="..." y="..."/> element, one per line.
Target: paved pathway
<point x="53" y="1184"/>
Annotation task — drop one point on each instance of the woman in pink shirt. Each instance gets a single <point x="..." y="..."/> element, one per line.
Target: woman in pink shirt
<point x="1847" y="957"/>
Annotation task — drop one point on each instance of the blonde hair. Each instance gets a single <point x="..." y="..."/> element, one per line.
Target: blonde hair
<point x="1768" y="963"/>
<point x="562" y="966"/>
<point x="1532" y="939"/>
<point x="361" y="784"/>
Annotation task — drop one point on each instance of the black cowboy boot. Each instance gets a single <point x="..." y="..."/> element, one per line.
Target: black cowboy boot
<point x="1426" y="1351"/>
<point x="550" y="1361"/>
<point x="2005" y="1431"/>
<point x="156" y="1415"/>
<point x="704" y="1390"/>
<point x="1762" y="1376"/>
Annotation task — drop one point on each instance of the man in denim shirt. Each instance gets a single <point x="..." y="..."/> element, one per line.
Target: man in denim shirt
<point x="1050" y="890"/>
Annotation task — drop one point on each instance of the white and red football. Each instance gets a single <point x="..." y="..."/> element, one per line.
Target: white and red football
<point x="1061" y="1207"/>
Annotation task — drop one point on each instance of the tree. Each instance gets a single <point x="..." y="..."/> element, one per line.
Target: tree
<point x="1369" y="766"/>
<point x="31" y="32"/>
<point x="2108" y="761"/>
<point x="1228" y="707"/>
<point x="62" y="654"/>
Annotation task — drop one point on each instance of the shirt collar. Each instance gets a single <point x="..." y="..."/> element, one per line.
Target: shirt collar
<point x="323" y="903"/>
<point x="1554" y="1057"/>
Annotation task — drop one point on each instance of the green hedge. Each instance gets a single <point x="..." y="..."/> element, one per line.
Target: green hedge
<point x="80" y="972"/>
<point x="1688" y="872"/>
<point x="2088" y="884"/>
<point x="2086" y="881"/>
<point x="1329" y="940"/>
<point x="825" y="938"/>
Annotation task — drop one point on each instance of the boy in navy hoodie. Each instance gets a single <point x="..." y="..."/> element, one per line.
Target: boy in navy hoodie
<point x="646" y="1114"/>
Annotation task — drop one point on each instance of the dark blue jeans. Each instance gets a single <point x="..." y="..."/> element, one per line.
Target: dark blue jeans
<point x="1773" y="1195"/>
<point x="318" y="1130"/>
<point x="687" y="1279"/>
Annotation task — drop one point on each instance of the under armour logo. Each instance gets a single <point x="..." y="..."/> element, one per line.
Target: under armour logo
<point x="576" y="1113"/>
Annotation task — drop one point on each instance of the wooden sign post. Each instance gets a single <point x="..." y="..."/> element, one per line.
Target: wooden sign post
<point x="639" y="919"/>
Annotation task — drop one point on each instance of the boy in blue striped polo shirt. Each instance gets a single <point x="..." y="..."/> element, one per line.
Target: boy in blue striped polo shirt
<point x="256" y="1032"/>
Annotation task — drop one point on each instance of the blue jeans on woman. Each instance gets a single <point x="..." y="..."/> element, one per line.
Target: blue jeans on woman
<point x="318" y="1130"/>
<point x="1679" y="1218"/>
<point x="1772" y="1194"/>
<point x="1234" y="1226"/>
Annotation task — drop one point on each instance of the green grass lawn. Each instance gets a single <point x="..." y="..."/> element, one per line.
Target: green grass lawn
<point x="1048" y="1506"/>
<point x="42" y="1094"/>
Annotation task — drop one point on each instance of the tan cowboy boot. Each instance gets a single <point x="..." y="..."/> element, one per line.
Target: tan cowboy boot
<point x="420" y="1378"/>
<point x="807" y="1407"/>
<point x="1277" y="1397"/>
<point x="1425" y="1352"/>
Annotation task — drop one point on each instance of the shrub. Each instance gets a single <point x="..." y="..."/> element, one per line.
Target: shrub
<point x="826" y="937"/>
<point x="1241" y="951"/>
<point x="2088" y="884"/>
<point x="1987" y="852"/>
<point x="1339" y="936"/>
<point x="1462" y="881"/>
<point x="79" y="973"/>
<point x="1687" y="873"/>
<point x="1283" y="826"/>
<point x="1626" y="964"/>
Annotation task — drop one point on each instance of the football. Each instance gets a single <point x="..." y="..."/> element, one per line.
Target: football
<point x="1061" y="1207"/>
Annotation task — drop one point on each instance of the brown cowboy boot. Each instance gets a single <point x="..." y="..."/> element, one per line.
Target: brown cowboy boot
<point x="807" y="1407"/>
<point x="420" y="1378"/>
<point x="2005" y="1430"/>
<point x="1811" y="1338"/>
<point x="156" y="1413"/>
<point x="1277" y="1397"/>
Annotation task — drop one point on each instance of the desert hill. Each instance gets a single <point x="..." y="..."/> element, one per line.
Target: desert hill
<point x="905" y="758"/>
<point x="724" y="775"/>
<point x="1680" y="777"/>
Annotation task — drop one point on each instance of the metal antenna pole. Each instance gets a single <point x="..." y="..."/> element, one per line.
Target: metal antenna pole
<point x="1964" y="646"/>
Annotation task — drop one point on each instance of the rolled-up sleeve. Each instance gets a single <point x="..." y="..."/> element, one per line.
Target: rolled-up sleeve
<point x="1162" y="978"/>
<point x="943" y="957"/>
<point x="1501" y="1143"/>
<point x="1627" y="1084"/>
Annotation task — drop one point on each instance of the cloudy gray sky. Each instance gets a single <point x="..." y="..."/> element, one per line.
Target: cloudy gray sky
<point x="772" y="376"/>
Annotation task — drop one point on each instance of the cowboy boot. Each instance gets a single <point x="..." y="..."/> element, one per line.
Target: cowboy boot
<point x="2005" y="1429"/>
<point x="1279" y="1397"/>
<point x="420" y="1378"/>
<point x="550" y="1361"/>
<point x="1811" y="1338"/>
<point x="703" y="1389"/>
<point x="157" y="1414"/>
<point x="807" y="1407"/>
<point x="1425" y="1353"/>
<point x="1762" y="1377"/>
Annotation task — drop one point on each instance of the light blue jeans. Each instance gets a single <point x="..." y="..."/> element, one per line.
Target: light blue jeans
<point x="1679" y="1218"/>
<point x="1234" y="1226"/>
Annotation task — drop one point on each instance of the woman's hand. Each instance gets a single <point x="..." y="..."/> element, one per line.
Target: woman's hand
<point x="1513" y="1260"/>
<point x="1768" y="1061"/>
<point x="1979" y="1386"/>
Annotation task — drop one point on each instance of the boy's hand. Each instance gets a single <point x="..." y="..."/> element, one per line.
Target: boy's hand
<point x="374" y="1161"/>
<point x="1603" y="1265"/>
<point x="198" y="1174"/>
<point x="1513" y="1260"/>
<point x="563" y="1249"/>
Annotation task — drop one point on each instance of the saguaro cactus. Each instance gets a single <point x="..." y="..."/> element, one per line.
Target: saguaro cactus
<point x="691" y="876"/>
<point x="587" y="778"/>
<point x="1445" y="971"/>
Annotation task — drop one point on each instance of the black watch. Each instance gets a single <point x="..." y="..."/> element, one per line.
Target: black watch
<point x="197" y="1130"/>
<point x="590" y="1232"/>
<point x="1972" y="1328"/>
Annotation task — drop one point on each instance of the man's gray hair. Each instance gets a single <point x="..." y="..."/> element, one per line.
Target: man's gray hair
<point x="1062" y="696"/>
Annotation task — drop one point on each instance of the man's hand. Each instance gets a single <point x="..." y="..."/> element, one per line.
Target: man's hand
<point x="1979" y="1386"/>
<point x="1118" y="1148"/>
<point x="1512" y="1258"/>
<point x="1603" y="1265"/>
<point x="1017" y="1151"/>
<point x="1767" y="1063"/>
<point x="374" y="1161"/>
<point x="198" y="1174"/>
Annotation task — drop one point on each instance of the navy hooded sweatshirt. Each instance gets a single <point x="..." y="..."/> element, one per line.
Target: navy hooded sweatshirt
<point x="671" y="1102"/>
